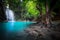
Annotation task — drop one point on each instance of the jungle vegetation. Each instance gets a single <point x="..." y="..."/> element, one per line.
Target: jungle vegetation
<point x="33" y="10"/>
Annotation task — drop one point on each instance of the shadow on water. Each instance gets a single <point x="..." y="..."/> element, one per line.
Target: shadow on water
<point x="2" y="30"/>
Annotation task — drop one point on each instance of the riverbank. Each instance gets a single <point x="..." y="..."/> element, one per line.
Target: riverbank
<point x="38" y="33"/>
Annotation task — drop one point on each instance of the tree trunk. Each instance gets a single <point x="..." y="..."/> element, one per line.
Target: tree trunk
<point x="47" y="16"/>
<point x="48" y="12"/>
<point x="40" y="15"/>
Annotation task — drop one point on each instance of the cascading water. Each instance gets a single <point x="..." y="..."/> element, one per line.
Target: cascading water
<point x="9" y="14"/>
<point x="21" y="0"/>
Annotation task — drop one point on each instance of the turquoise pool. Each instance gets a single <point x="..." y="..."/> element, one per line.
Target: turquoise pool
<point x="15" y="26"/>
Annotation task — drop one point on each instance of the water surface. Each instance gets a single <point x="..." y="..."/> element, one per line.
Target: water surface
<point x="15" y="26"/>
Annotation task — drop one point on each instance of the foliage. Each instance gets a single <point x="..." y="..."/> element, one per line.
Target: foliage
<point x="31" y="8"/>
<point x="28" y="7"/>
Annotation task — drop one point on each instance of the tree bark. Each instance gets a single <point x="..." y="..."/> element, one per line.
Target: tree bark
<point x="47" y="15"/>
<point x="40" y="15"/>
<point x="48" y="12"/>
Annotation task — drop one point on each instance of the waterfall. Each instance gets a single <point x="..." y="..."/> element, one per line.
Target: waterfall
<point x="9" y="14"/>
<point x="21" y="0"/>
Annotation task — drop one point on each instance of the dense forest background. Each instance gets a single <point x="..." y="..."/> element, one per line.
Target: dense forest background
<point x="33" y="9"/>
<point x="43" y="11"/>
